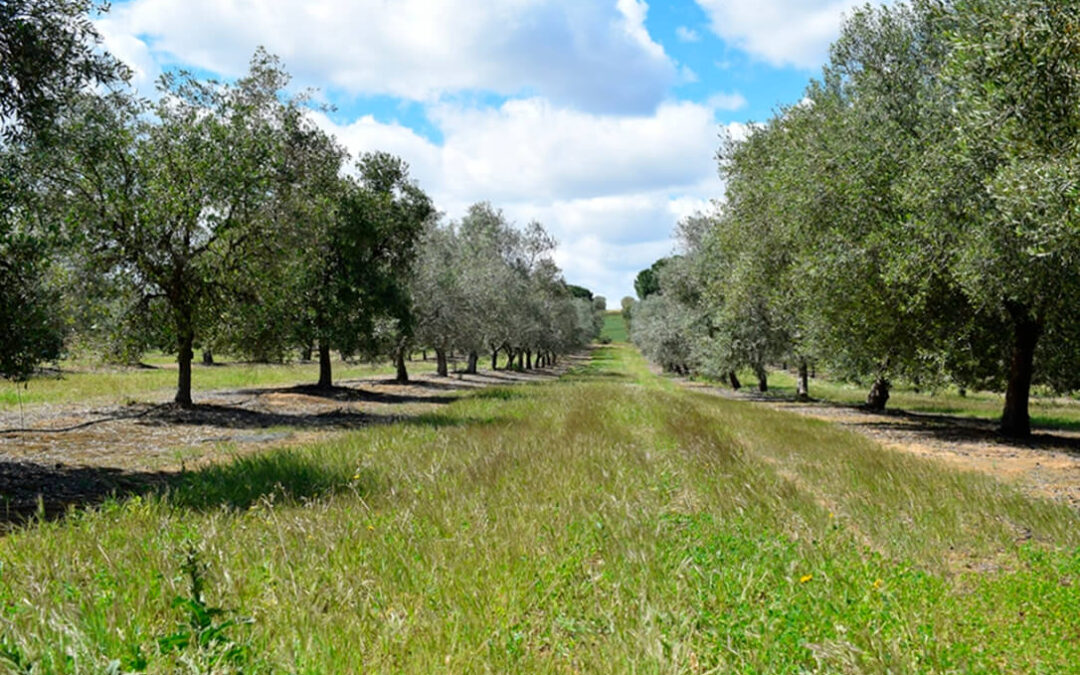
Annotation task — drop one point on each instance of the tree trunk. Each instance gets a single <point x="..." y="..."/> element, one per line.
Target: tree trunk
<point x="471" y="367"/>
<point x="521" y="360"/>
<point x="509" y="358"/>
<point x="1015" y="420"/>
<point x="183" y="360"/>
<point x="424" y="353"/>
<point x="440" y="362"/>
<point x="762" y="378"/>
<point x="879" y="394"/>
<point x="494" y="359"/>
<point x="803" y="392"/>
<point x="326" y="378"/>
<point x="528" y="359"/>
<point x="734" y="380"/>
<point x="305" y="353"/>
<point x="207" y="357"/>
<point x="402" y="371"/>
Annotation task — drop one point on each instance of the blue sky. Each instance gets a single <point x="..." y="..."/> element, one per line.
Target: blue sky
<point x="599" y="118"/>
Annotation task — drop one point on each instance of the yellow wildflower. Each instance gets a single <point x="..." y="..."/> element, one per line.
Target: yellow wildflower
<point x="371" y="528"/>
<point x="878" y="584"/>
<point x="805" y="578"/>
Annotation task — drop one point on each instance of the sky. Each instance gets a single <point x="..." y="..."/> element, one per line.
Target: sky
<point x="598" y="118"/>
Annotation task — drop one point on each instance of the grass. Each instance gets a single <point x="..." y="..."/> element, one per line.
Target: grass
<point x="614" y="327"/>
<point x="1048" y="412"/>
<point x="117" y="385"/>
<point x="607" y="522"/>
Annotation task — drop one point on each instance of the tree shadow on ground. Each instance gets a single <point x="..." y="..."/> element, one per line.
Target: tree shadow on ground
<point x="233" y="417"/>
<point x="950" y="428"/>
<point x="349" y="394"/>
<point x="32" y="491"/>
<point x="941" y="426"/>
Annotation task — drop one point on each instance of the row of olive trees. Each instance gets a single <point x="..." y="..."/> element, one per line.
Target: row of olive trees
<point x="916" y="216"/>
<point x="218" y="215"/>
<point x="483" y="287"/>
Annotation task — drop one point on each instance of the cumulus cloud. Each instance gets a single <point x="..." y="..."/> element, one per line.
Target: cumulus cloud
<point x="781" y="32"/>
<point x="727" y="101"/>
<point x="583" y="136"/>
<point x="685" y="34"/>
<point x="609" y="187"/>
<point x="532" y="148"/>
<point x="595" y="55"/>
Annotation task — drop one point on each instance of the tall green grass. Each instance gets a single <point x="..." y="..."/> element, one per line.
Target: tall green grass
<point x="614" y="327"/>
<point x="607" y="522"/>
<point x="117" y="385"/>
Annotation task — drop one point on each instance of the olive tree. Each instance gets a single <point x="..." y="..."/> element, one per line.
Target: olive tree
<point x="49" y="56"/>
<point x="171" y="194"/>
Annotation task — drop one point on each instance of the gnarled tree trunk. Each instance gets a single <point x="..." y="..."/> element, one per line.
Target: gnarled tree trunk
<point x="762" y="378"/>
<point x="494" y="359"/>
<point x="326" y="379"/>
<point x="207" y="357"/>
<point x="803" y="391"/>
<point x="734" y="380"/>
<point x="183" y="360"/>
<point x="879" y="394"/>
<point x="528" y="359"/>
<point x="1015" y="419"/>
<point x="470" y="368"/>
<point x="440" y="362"/>
<point x="402" y="371"/>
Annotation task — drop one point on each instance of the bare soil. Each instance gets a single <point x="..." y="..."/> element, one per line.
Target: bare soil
<point x="53" y="457"/>
<point x="1045" y="465"/>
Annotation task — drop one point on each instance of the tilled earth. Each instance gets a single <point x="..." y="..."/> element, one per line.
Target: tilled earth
<point x="1046" y="465"/>
<point x="54" y="457"/>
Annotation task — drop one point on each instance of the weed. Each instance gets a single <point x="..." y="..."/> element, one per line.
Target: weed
<point x="204" y="636"/>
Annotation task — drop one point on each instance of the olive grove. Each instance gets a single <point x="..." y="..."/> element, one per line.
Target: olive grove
<point x="915" y="216"/>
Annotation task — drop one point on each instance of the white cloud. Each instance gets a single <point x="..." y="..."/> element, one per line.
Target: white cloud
<point x="685" y="34"/>
<point x="781" y="32"/>
<point x="727" y="101"/>
<point x="132" y="51"/>
<point x="610" y="188"/>
<point x="587" y="141"/>
<point x="594" y="55"/>
<point x="532" y="149"/>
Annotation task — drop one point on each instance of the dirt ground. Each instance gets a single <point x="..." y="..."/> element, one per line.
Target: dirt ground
<point x="1046" y="465"/>
<point x="76" y="454"/>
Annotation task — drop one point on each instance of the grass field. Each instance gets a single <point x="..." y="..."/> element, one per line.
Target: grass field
<point x="607" y="522"/>
<point x="614" y="327"/>
<point x="116" y="385"/>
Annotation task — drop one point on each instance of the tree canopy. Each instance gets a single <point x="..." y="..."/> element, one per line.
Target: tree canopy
<point x="914" y="216"/>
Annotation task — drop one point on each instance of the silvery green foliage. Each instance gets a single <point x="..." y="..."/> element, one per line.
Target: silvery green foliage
<point x="914" y="216"/>
<point x="482" y="286"/>
<point x="664" y="330"/>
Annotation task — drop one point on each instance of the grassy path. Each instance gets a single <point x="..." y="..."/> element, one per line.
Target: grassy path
<point x="607" y="522"/>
